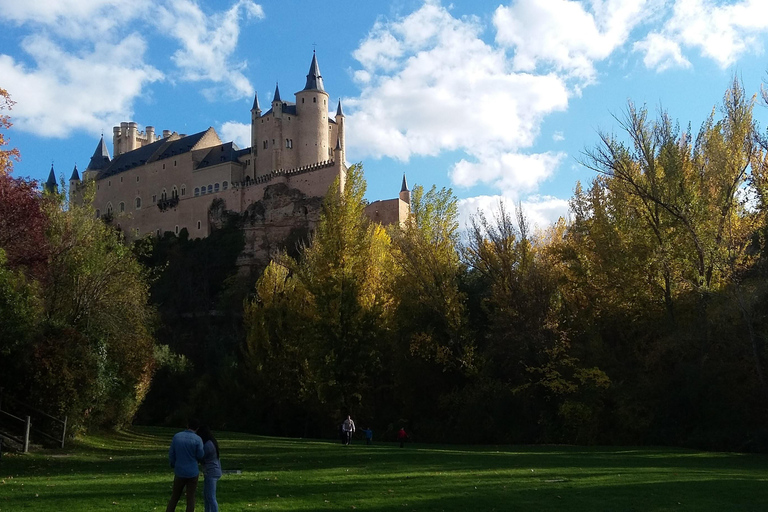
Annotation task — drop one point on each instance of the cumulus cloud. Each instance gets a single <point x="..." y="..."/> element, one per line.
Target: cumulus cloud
<point x="240" y="133"/>
<point x="208" y="43"/>
<point x="565" y="34"/>
<point x="430" y="84"/>
<point x="719" y="32"/>
<point x="86" y="66"/>
<point x="539" y="211"/>
<point x="63" y="91"/>
<point x="74" y="19"/>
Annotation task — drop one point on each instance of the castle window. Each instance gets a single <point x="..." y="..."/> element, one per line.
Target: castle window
<point x="216" y="187"/>
<point x="324" y="102"/>
<point x="138" y="203"/>
<point x="197" y="191"/>
<point x="210" y="189"/>
<point x="154" y="199"/>
<point x="98" y="213"/>
<point x="202" y="191"/>
<point x="122" y="207"/>
<point x="177" y="230"/>
<point x="266" y="144"/>
<point x="302" y="100"/>
<point x="198" y="224"/>
<point x="174" y="163"/>
<point x="137" y="232"/>
<point x="137" y="179"/>
<point x="121" y="179"/>
<point x="163" y="166"/>
<point x="273" y="142"/>
<point x="158" y="233"/>
<point x="183" y="190"/>
<point x="224" y="185"/>
<point x="109" y="183"/>
<point x="164" y="195"/>
<point x="314" y="100"/>
<point x="174" y="192"/>
<point x="286" y="143"/>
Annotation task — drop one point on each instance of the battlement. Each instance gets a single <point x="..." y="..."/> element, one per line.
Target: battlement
<point x="277" y="173"/>
<point x="127" y="137"/>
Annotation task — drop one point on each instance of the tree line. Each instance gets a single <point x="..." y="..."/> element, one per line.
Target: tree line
<point x="639" y="319"/>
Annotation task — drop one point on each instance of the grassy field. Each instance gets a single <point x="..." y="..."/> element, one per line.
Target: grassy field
<point x="128" y="471"/>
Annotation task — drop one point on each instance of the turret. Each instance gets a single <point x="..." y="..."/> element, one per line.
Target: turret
<point x="277" y="103"/>
<point x="405" y="194"/>
<point x="255" y="115"/>
<point x="340" y="126"/>
<point x="50" y="186"/>
<point x="74" y="183"/>
<point x="99" y="161"/>
<point x="312" y="110"/>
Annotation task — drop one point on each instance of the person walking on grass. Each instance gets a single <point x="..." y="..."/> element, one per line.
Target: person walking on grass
<point x="368" y="435"/>
<point x="211" y="468"/>
<point x="349" y="428"/>
<point x="185" y="452"/>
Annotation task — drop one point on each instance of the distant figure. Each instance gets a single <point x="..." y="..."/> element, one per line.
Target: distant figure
<point x="401" y="436"/>
<point x="185" y="452"/>
<point x="211" y="468"/>
<point x="348" y="427"/>
<point x="368" y="435"/>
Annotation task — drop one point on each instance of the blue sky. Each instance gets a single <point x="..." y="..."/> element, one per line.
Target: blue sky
<point x="496" y="101"/>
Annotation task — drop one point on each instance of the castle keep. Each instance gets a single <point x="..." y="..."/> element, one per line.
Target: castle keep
<point x="168" y="182"/>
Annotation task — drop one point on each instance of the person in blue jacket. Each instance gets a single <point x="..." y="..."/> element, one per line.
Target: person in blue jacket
<point x="211" y="468"/>
<point x="185" y="452"/>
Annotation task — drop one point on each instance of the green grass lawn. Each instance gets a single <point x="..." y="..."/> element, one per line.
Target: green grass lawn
<point x="128" y="471"/>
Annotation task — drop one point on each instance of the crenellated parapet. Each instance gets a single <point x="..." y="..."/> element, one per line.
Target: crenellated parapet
<point x="279" y="173"/>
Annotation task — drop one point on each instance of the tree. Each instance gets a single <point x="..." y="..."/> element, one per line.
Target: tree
<point x="22" y="225"/>
<point x="7" y="156"/>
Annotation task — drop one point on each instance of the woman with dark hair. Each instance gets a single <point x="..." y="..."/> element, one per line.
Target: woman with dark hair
<point x="211" y="468"/>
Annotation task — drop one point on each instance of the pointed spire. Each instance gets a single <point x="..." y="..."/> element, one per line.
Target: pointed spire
<point x="100" y="157"/>
<point x="277" y="93"/>
<point x="314" y="79"/>
<point x="339" y="111"/>
<point x="404" y="188"/>
<point x="75" y="175"/>
<point x="50" y="184"/>
<point x="256" y="102"/>
<point x="338" y="143"/>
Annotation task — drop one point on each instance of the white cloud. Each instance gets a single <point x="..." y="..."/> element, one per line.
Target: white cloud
<point x="539" y="211"/>
<point x="74" y="19"/>
<point x="558" y="136"/>
<point x="240" y="133"/>
<point x="208" y="43"/>
<point x="720" y="32"/>
<point x="512" y="173"/>
<point x="661" y="53"/>
<point x="430" y="84"/>
<point x="88" y="91"/>
<point x="86" y="67"/>
<point x="564" y="34"/>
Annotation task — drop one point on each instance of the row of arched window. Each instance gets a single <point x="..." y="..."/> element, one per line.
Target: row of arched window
<point x="211" y="189"/>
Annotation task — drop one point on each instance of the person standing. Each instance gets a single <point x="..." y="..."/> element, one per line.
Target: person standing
<point x="211" y="468"/>
<point x="401" y="436"/>
<point x="185" y="452"/>
<point x="368" y="435"/>
<point x="348" y="427"/>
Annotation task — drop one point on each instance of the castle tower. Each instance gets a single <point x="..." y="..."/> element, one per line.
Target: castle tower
<point x="312" y="111"/>
<point x="74" y="183"/>
<point x="340" y="130"/>
<point x="277" y="130"/>
<point x="255" y="115"/>
<point x="405" y="194"/>
<point x="50" y="185"/>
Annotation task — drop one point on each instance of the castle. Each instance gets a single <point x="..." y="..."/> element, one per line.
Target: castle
<point x="172" y="182"/>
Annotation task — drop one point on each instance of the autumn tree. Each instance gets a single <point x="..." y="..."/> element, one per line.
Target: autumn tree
<point x="7" y="156"/>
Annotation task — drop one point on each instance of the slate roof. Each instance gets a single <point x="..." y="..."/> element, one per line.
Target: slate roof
<point x="288" y="108"/>
<point x="100" y="158"/>
<point x="339" y="112"/>
<point x="158" y="150"/>
<point x="75" y="174"/>
<point x="228" y="152"/>
<point x="404" y="188"/>
<point x="314" y="78"/>
<point x="50" y="184"/>
<point x="256" y="101"/>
